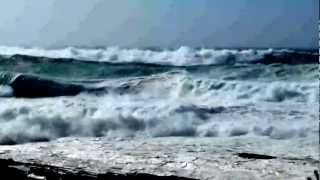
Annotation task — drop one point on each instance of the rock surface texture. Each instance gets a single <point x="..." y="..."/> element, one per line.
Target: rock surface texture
<point x="172" y="158"/>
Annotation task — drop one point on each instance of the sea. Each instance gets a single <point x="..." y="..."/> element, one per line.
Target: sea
<point x="115" y="92"/>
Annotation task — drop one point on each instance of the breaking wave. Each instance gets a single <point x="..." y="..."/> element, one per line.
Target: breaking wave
<point x="114" y="92"/>
<point x="146" y="116"/>
<point x="157" y="86"/>
<point x="184" y="56"/>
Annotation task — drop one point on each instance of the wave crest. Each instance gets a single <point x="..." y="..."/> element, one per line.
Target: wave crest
<point x="168" y="85"/>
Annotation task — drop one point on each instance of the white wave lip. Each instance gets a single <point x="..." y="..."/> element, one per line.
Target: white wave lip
<point x="183" y="56"/>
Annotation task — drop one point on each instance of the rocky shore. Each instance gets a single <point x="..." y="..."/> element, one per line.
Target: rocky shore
<point x="171" y="158"/>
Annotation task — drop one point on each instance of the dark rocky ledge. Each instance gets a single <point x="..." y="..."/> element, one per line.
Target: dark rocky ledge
<point x="26" y="171"/>
<point x="160" y="159"/>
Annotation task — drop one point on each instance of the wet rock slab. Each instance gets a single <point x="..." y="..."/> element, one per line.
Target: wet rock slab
<point x="162" y="158"/>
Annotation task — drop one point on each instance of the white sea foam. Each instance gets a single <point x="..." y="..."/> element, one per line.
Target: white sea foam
<point x="117" y="116"/>
<point x="167" y="105"/>
<point x="5" y="91"/>
<point x="183" y="56"/>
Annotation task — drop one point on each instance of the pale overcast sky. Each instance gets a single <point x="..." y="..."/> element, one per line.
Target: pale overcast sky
<point x="164" y="23"/>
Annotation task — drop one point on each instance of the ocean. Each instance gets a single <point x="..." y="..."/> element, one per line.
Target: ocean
<point x="115" y="92"/>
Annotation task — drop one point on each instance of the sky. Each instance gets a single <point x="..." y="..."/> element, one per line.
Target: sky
<point x="160" y="23"/>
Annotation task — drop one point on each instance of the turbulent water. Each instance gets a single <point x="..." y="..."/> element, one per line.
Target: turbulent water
<point x="114" y="92"/>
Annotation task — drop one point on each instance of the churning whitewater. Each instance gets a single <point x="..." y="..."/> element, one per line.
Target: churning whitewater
<point x="114" y="92"/>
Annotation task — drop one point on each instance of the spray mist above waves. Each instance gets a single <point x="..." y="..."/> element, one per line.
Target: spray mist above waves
<point x="168" y="94"/>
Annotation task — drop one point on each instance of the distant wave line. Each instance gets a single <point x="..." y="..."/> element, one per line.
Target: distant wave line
<point x="184" y="56"/>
